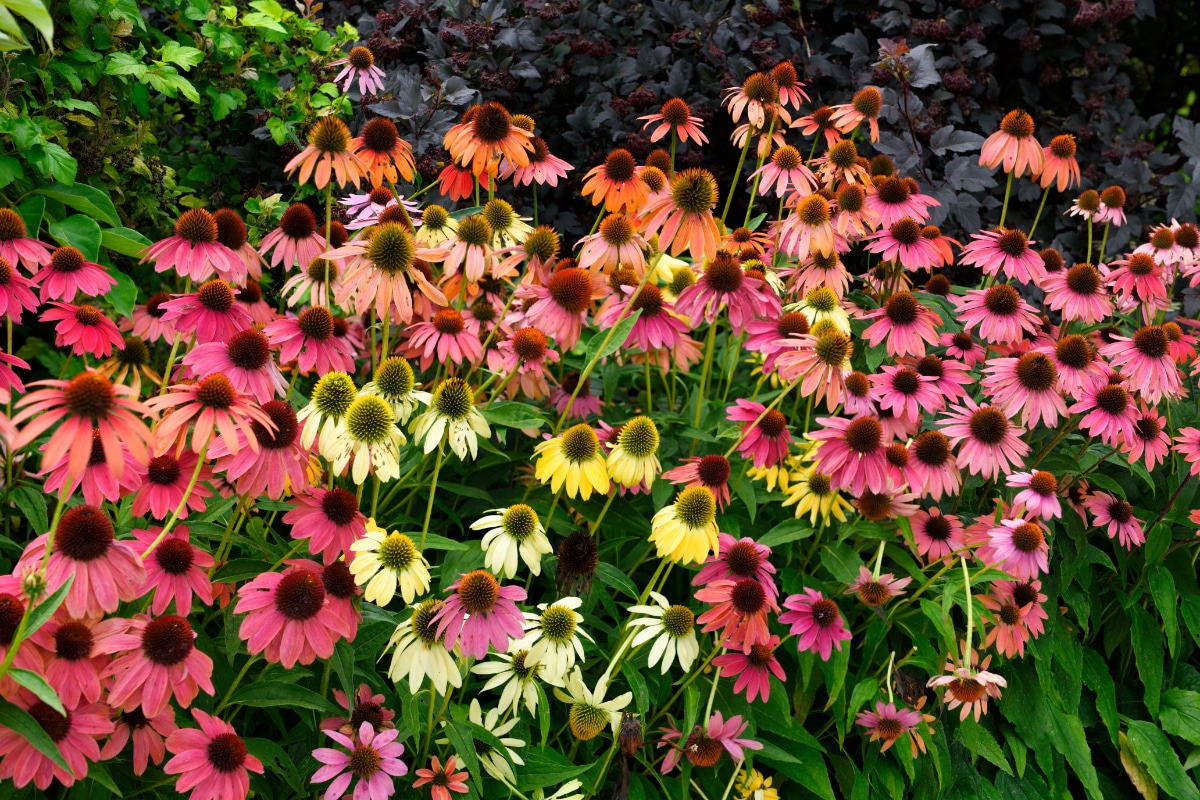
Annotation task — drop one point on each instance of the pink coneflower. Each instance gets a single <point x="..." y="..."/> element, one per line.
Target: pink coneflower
<point x="1059" y="164"/>
<point x="147" y="320"/>
<point x="69" y="273"/>
<point x="1182" y="345"/>
<point x="816" y="621"/>
<point x="1140" y="277"/>
<point x="544" y="168"/>
<point x="586" y="404"/>
<point x="479" y="612"/>
<point x="1080" y="370"/>
<point x="559" y="308"/>
<point x="816" y="270"/>
<point x="309" y="341"/>
<point x="457" y="182"/>
<point x="194" y="250"/>
<point x="164" y="482"/>
<point x="616" y="243"/>
<point x="98" y="482"/>
<point x="470" y="249"/>
<point x="365" y="208"/>
<point x="1112" y="206"/>
<point x="374" y="759"/>
<point x="876" y="590"/>
<point x="444" y="779"/>
<point x="321" y="281"/>
<point x="656" y="329"/>
<point x="75" y="734"/>
<point x="1039" y="493"/>
<point x="16" y="296"/>
<point x="343" y="594"/>
<point x="767" y="442"/>
<point x="329" y="519"/>
<point x="739" y="610"/>
<point x="1088" y="206"/>
<point x="1019" y="547"/>
<point x="1014" y="147"/>
<point x="73" y="659"/>
<point x="289" y="618"/>
<point x="1116" y="516"/>
<point x="211" y="406"/>
<point x="739" y="559"/>
<point x="772" y="336"/>
<point x="15" y="245"/>
<point x="705" y="745"/>
<point x="675" y="117"/>
<point x="711" y="472"/>
<point x="84" y="329"/>
<point x="295" y="241"/>
<point x="245" y="359"/>
<point x="525" y="356"/>
<point x="896" y="198"/>
<point x="9" y="380"/>
<point x="904" y="242"/>
<point x="1078" y="293"/>
<point x="889" y="723"/>
<point x="950" y="378"/>
<point x="852" y="453"/>
<point x="903" y="324"/>
<point x="905" y="392"/>
<point x="1109" y="413"/>
<point x="1145" y="361"/>
<point x="1163" y="249"/>
<point x="212" y="761"/>
<point x="753" y="669"/>
<point x="1027" y="595"/>
<point x="936" y="535"/>
<point x="1009" y="631"/>
<point x="107" y="572"/>
<point x="1004" y="252"/>
<point x="280" y="463"/>
<point x="158" y="660"/>
<point x="1027" y="385"/>
<point x="969" y="686"/>
<point x="991" y="444"/>
<point x="725" y="285"/>
<point x="809" y="230"/>
<point x="785" y="171"/>
<point x="175" y="570"/>
<point x="231" y="232"/>
<point x="865" y="106"/>
<point x="250" y="297"/>
<point x="366" y="707"/>
<point x="932" y="469"/>
<point x="448" y="338"/>
<point x="999" y="312"/>
<point x="891" y="503"/>
<point x="383" y="271"/>
<point x="148" y="737"/>
<point x="682" y="217"/>
<point x="359" y="65"/>
<point x="963" y="347"/>
<point x="1149" y="437"/>
<point x="211" y="312"/>
<point x="944" y="245"/>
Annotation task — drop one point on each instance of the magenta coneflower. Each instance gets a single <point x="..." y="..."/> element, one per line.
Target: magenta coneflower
<point x="1004" y="252"/>
<point x="148" y="735"/>
<point x="772" y="336"/>
<point x="1145" y="361"/>
<point x="889" y="723"/>
<point x="932" y="469"/>
<point x="725" y="285"/>
<point x="822" y="364"/>
<point x="1109" y="413"/>
<point x="903" y="241"/>
<point x="147" y="320"/>
<point x="479" y="612"/>
<point x="210" y="406"/>
<point x="244" y="359"/>
<point x="963" y="347"/>
<point x="1039" y="493"/>
<point x="250" y="297"/>
<point x="329" y="519"/>
<point x="752" y="669"/>
<point x="1019" y="547"/>
<point x="289" y="618"/>
<point x="374" y="759"/>
<point x="785" y="171"/>
<point x="295" y="241"/>
<point x="175" y="570"/>
<point x="711" y="472"/>
<point x="876" y="590"/>
<point x="1014" y="147"/>
<point x="1116" y="517"/>
<point x="656" y="329"/>
<point x="740" y="610"/>
<point x="164" y="482"/>
<point x="211" y="761"/>
<point x="739" y="559"/>
<point x="157" y="660"/>
<point x="586" y="404"/>
<point x="767" y="442"/>
<point x="365" y="707"/>
<point x="706" y="744"/>
<point x="905" y="392"/>
<point x="72" y="657"/>
<point x="1008" y="631"/>
<point x="903" y="324"/>
<point x="69" y="273"/>
<point x="1080" y="370"/>
<point x="83" y="328"/>
<point x="15" y="245"/>
<point x="1139" y="276"/>
<point x="231" y="232"/>
<point x="194" y="250"/>
<point x="816" y="621"/>
<point x="16" y="297"/>
<point x="1149" y="437"/>
<point x="359" y="65"/>
<point x="950" y="378"/>
<point x="448" y="338"/>
<point x="999" y="312"/>
<point x="280" y="463"/>
<point x="309" y="341"/>
<point x="1027" y="385"/>
<point x="211" y="312"/>
<point x="896" y="198"/>
<point x="98" y="482"/>
<point x="1078" y="293"/>
<point x="107" y="572"/>
<point x="560" y="307"/>
<point x="75" y="734"/>
<point x="852" y="453"/>
<point x="989" y="443"/>
<point x="937" y="536"/>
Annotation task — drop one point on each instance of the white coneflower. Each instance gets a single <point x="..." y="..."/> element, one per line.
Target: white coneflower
<point x="512" y="532"/>
<point x="671" y="628"/>
<point x="822" y="303"/>
<point x="394" y="382"/>
<point x="452" y="413"/>
<point x="553" y="637"/>
<point x="368" y="435"/>
<point x="437" y="226"/>
<point x="633" y="459"/>
<point x="508" y="229"/>
<point x="494" y="762"/>
<point x="419" y="652"/>
<point x="331" y="399"/>
<point x="590" y="713"/>
<point x="571" y="790"/>
<point x="387" y="561"/>
<point x="517" y="673"/>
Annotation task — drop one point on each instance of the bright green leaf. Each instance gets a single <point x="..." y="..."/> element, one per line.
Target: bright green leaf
<point x="1162" y="762"/>
<point x="80" y="232"/>
<point x="18" y="720"/>
<point x="37" y="684"/>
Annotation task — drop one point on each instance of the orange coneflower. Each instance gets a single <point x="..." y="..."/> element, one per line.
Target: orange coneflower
<point x="683" y="217"/>
<point x="791" y="90"/>
<point x="615" y="183"/>
<point x="486" y="135"/>
<point x="1060" y="164"/>
<point x="820" y="121"/>
<point x="457" y="182"/>
<point x="866" y="105"/>
<point x="759" y="93"/>
<point x="1014" y="146"/>
<point x="675" y="116"/>
<point x="383" y="152"/>
<point x="328" y="153"/>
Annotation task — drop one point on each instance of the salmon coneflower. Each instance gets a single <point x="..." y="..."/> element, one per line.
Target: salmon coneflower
<point x="1112" y="206"/>
<point x="809" y="229"/>
<point x="616" y="243"/>
<point x="147" y="323"/>
<point x="158" y="660"/>
<point x="1078" y="293"/>
<point x="289" y="618"/>
<point x="309" y="341"/>
<point x="165" y="481"/>
<point x="969" y="686"/>
<point x="175" y="569"/>
<point x="991" y="444"/>
<point x="360" y="66"/>
<point x="1027" y="384"/>
<point x="15" y="245"/>
<point x="820" y="121"/>
<point x="683" y="218"/>
<point x="1014" y="147"/>
<point x="1139" y="276"/>
<point x="75" y="734"/>
<point x="791" y="90"/>
<point x="328" y="155"/>
<point x="724" y="285"/>
<point x="1109" y="413"/>
<point x="279" y="465"/>
<point x="212" y="406"/>
<point x="755" y="97"/>
<point x="1145" y="361"/>
<point x="904" y="324"/>
<point x="616" y="183"/>
<point x="83" y="328"/>
<point x="68" y="273"/>
<point x="211" y="312"/>
<point x="999" y="312"/>
<point x="211" y="761"/>
<point x="904" y="242"/>
<point x="383" y="269"/>
<point x="486" y="135"/>
<point x="296" y="240"/>
<point x="866" y="106"/>
<point x="194" y="250"/>
<point x="895" y="198"/>
<point x="710" y="472"/>
<point x="383" y="152"/>
<point x="245" y="359"/>
<point x="1060" y="166"/>
<point x="544" y="168"/>
<point x="1008" y="252"/>
<point x="231" y="232"/>
<point x="676" y="118"/>
<point x="785" y="170"/>
<point x="1149" y="438"/>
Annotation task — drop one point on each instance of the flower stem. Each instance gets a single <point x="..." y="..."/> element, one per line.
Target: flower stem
<point x="970" y="609"/>
<point x="729" y="786"/>
<point x="712" y="693"/>
<point x="709" y="346"/>
<point x="737" y="176"/>
<point x="166" y="376"/>
<point x="891" y="666"/>
<point x="437" y="466"/>
<point x="672" y="152"/>
<point x="1007" y="192"/>
<point x="1089" y="247"/>
<point x="762" y="414"/>
<point x="238" y="679"/>
<point x="758" y="175"/>
<point x="1103" y="242"/>
<point x="1033" y="227"/>
<point x="879" y="558"/>
<point x="599" y="519"/>
<point x="182" y="503"/>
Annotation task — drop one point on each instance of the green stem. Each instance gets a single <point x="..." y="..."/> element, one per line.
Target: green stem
<point x="891" y="666"/>
<point x="535" y="208"/>
<point x="166" y="376"/>
<point x="879" y="558"/>
<point x="182" y="503"/>
<point x="1007" y="193"/>
<point x="1033" y="227"/>
<point x="599" y="519"/>
<point x="758" y="175"/>
<point x="672" y="152"/>
<point x="1103" y="242"/>
<point x="437" y="466"/>
<point x="1089" y="247"/>
<point x="737" y="176"/>
<point x="762" y="414"/>
<point x="970" y="609"/>
<point x="729" y="786"/>
<point x="238" y="679"/>
<point x="709" y="346"/>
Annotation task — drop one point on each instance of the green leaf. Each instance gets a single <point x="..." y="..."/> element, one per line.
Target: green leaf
<point x="33" y="505"/>
<point x="511" y="414"/>
<point x="691" y="706"/>
<point x="1154" y="750"/>
<point x="1166" y="599"/>
<point x="841" y="561"/>
<point x="35" y="12"/>
<point x="123" y="296"/>
<point x="461" y="739"/>
<point x="1147" y="654"/>
<point x="45" y="609"/>
<point x="98" y="772"/>
<point x="615" y="578"/>
<point x="125" y="241"/>
<point x="980" y="741"/>
<point x="32" y="209"/>
<point x="277" y="693"/>
<point x="343" y="665"/>
<point x="545" y="768"/>
<point x="543" y="718"/>
<point x="1097" y="678"/>
<point x="241" y="569"/>
<point x="37" y="684"/>
<point x="790" y="530"/>
<point x="1180" y="714"/>
<point x="10" y="170"/>
<point x="435" y="542"/>
<point x="80" y="232"/>
<point x="17" y="719"/>
<point x="1069" y="739"/>
<point x="860" y="697"/>
<point x="85" y="199"/>
<point x="275" y="758"/>
<point x="801" y="764"/>
<point x="257" y="19"/>
<point x="186" y="57"/>
<point x="124" y="64"/>
<point x="604" y="343"/>
<point x="53" y="161"/>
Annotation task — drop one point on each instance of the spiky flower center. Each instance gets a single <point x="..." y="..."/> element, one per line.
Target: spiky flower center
<point x="724" y="274"/>
<point x="361" y="58"/>
<point x="249" y="349"/>
<point x="11" y="614"/>
<point x="1147" y="428"/>
<point x="499" y="214"/>
<point x="57" y="726"/>
<point x="1017" y="124"/>
<point x="12" y="225"/>
<point x="1152" y="341"/>
<point x="747" y="597"/>
<point x="639" y="437"/>
<point x="338" y="581"/>
<point x="478" y="591"/>
<point x="902" y="308"/>
<point x="316" y="323"/>
<point x="283" y="416"/>
<point x="675" y="112"/>
<point x="989" y="425"/>
<point x="73" y="641"/>
<point x="843" y="155"/>
<point x="1121" y="511"/>
<point x="577" y="556"/>
<point x="864" y="435"/>
<point x="1012" y="243"/>
<point x="1162" y="239"/>
<point x="1112" y="398"/>
<point x="694" y="191"/>
<point x="814" y="211"/>
<point x="542" y="243"/>
<point x="713" y="470"/>
<point x="330" y="136"/>
<point x="395" y="378"/>
<point x="319" y="270"/>
<point x="619" y="166"/>
<point x="226" y="753"/>
<point x="787" y="158"/>
<point x="579" y="443"/>
<point x="491" y="123"/>
<point x="392" y="248"/>
<point x="761" y="88"/>
<point x="558" y="624"/>
<point x="1036" y="372"/>
<point x="339" y="506"/>
<point x="453" y="398"/>
<point x="616" y="229"/>
<point x="298" y="222"/>
<point x="857" y="384"/>
<point x="820" y="484"/>
<point x="175" y="556"/>
<point x="1074" y="351"/>
<point x="167" y="640"/>
<point x="932" y="448"/>
<point x="1043" y="483"/>
<point x="333" y="394"/>
<point x="896" y="455"/>
<point x="88" y="315"/>
<point x="1063" y="146"/>
<point x="422" y="624"/>
<point x="874" y="593"/>
<point x="649" y="301"/>
<point x="571" y="289"/>
<point x="825" y="613"/>
<point x="84" y="534"/>
<point x="696" y="507"/>
<point x="448" y="322"/>
<point x="135" y="354"/>
<point x="1113" y="197"/>
<point x="587" y="720"/>
<point x="678" y="621"/>
<point x="434" y="217"/>
<point x="397" y="552"/>
<point x="519" y="521"/>
<point x="938" y="528"/>
<point x="1088" y="201"/>
<point x="380" y="135"/>
<point x="874" y="506"/>
<point x="215" y="391"/>
<point x="681" y="278"/>
<point x="66" y="259"/>
<point x="370" y="419"/>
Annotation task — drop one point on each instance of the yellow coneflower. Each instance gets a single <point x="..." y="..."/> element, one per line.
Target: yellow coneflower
<point x="634" y="457"/>
<point x="575" y="460"/>
<point x="813" y="494"/>
<point x="388" y="561"/>
<point x="686" y="531"/>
